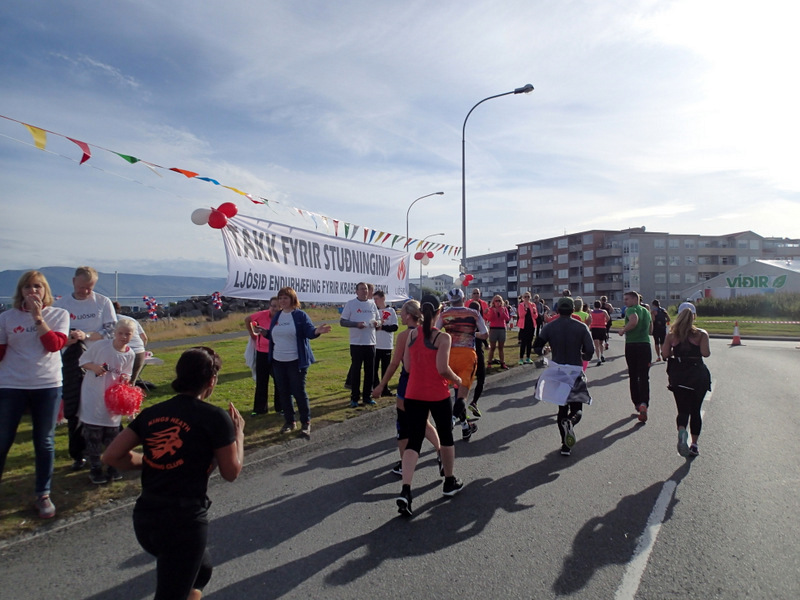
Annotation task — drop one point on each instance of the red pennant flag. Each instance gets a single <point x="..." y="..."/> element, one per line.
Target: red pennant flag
<point x="336" y="227"/>
<point x="188" y="174"/>
<point x="87" y="153"/>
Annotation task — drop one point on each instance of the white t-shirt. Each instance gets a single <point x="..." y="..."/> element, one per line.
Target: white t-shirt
<point x="384" y="340"/>
<point x="136" y="343"/>
<point x="93" y="389"/>
<point x="361" y="312"/>
<point x="26" y="364"/>
<point x="95" y="314"/>
<point x="284" y="338"/>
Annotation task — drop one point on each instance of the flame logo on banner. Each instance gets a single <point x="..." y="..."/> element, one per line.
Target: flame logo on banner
<point x="401" y="270"/>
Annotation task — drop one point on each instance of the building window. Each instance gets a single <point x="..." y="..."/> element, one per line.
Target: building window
<point x="674" y="261"/>
<point x="674" y="277"/>
<point x="690" y="278"/>
<point x="661" y="293"/>
<point x="688" y="261"/>
<point x="563" y="259"/>
<point x="660" y="261"/>
<point x="588" y="288"/>
<point x="523" y="264"/>
<point x="563" y="273"/>
<point x="588" y="254"/>
<point x="588" y="239"/>
<point x="660" y="277"/>
<point x="588" y="271"/>
<point x="674" y="244"/>
<point x="754" y="244"/>
<point x="563" y="243"/>
<point x="688" y="244"/>
<point x="743" y="244"/>
<point x="659" y="243"/>
<point x="742" y="260"/>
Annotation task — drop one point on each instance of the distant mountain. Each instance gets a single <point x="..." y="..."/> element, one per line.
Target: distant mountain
<point x="126" y="286"/>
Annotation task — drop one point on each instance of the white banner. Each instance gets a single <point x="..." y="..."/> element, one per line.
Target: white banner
<point x="263" y="257"/>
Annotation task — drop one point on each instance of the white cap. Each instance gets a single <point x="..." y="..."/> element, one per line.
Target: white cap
<point x="688" y="305"/>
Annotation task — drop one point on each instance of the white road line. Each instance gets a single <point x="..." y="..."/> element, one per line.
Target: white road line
<point x="635" y="570"/>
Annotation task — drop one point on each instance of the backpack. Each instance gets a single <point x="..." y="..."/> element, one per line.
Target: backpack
<point x="660" y="319"/>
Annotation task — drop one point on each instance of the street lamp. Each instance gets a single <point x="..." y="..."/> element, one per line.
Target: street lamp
<point x="525" y="89"/>
<point x="420" y="263"/>
<point x="409" y="210"/>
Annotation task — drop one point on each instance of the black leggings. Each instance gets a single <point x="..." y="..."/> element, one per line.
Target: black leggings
<point x="417" y="419"/>
<point x="689" y="403"/>
<point x="525" y="342"/>
<point x="480" y="372"/>
<point x="177" y="538"/>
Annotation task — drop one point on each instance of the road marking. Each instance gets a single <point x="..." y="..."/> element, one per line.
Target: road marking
<point x="635" y="570"/>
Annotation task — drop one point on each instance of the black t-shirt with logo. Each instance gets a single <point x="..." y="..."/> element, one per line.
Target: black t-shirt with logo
<point x="179" y="438"/>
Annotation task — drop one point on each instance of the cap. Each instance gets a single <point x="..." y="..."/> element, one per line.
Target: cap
<point x="455" y="295"/>
<point x="688" y="305"/>
<point x="565" y="302"/>
<point x="432" y="300"/>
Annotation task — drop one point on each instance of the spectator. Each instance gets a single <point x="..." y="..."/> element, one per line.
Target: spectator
<point x="31" y="335"/>
<point x="384" y="339"/>
<point x="360" y="315"/>
<point x="497" y="316"/>
<point x="111" y="362"/>
<point x="137" y="343"/>
<point x="92" y="318"/>
<point x="290" y="332"/>
<point x="528" y="317"/>
<point x="257" y="325"/>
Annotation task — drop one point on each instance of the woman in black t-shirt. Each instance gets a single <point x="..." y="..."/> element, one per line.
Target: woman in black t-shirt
<point x="183" y="439"/>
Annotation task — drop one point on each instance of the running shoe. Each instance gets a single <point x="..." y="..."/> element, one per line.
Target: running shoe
<point x="504" y="366"/>
<point x="113" y="474"/>
<point x="528" y="361"/>
<point x="305" y="431"/>
<point x="694" y="450"/>
<point x="494" y="361"/>
<point x="287" y="427"/>
<point x="97" y="477"/>
<point x="569" y="433"/>
<point x="606" y="345"/>
<point x="45" y="507"/>
<point x="353" y="404"/>
<point x="398" y="468"/>
<point x="521" y="362"/>
<point x="599" y="363"/>
<point x="565" y="451"/>
<point x="441" y="466"/>
<point x="643" y="413"/>
<point x="452" y="485"/>
<point x="476" y="412"/>
<point x="467" y="429"/>
<point x="78" y="464"/>
<point x="370" y="402"/>
<point x="602" y="358"/>
<point x="404" y="503"/>
<point x="683" y="442"/>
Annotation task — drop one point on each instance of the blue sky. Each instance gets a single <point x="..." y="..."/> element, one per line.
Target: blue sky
<point x="679" y="116"/>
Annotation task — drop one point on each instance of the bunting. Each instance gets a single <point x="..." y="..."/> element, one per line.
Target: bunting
<point x="39" y="135"/>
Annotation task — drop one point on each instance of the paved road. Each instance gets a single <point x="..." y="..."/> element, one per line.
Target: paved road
<point x="624" y="517"/>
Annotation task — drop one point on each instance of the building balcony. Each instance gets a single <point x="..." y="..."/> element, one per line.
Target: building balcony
<point x="543" y="252"/>
<point x="609" y="270"/>
<point x="542" y="281"/>
<point x="573" y="264"/>
<point x="606" y="252"/>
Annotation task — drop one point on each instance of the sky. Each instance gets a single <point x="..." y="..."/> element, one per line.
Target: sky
<point x="680" y="116"/>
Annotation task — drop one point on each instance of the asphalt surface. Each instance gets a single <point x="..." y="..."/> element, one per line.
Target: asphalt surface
<point x="624" y="517"/>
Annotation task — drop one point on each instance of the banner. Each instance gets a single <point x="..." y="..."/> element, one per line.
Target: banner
<point x="264" y="256"/>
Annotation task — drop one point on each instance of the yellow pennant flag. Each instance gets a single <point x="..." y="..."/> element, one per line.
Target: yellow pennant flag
<point x="39" y="136"/>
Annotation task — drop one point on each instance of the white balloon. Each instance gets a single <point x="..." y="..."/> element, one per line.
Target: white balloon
<point x="425" y="260"/>
<point x="457" y="282"/>
<point x="200" y="216"/>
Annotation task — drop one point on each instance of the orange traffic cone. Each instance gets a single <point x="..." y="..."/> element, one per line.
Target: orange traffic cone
<point x="737" y="341"/>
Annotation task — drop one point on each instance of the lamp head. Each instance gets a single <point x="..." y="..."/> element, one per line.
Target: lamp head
<point x="525" y="89"/>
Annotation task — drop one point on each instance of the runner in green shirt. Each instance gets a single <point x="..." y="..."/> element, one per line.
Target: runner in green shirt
<point x="638" y="353"/>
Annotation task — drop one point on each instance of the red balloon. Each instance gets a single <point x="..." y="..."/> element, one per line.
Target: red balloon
<point x="430" y="254"/>
<point x="419" y="255"/>
<point x="217" y="220"/>
<point x="228" y="209"/>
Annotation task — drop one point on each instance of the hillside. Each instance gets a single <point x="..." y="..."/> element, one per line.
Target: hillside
<point x="127" y="285"/>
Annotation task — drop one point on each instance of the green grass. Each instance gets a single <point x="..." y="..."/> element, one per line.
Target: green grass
<point x="73" y="493"/>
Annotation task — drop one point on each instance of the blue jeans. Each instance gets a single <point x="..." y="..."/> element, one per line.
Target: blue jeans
<point x="291" y="381"/>
<point x="43" y="406"/>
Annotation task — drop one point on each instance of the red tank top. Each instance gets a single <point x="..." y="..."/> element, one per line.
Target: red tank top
<point x="424" y="381"/>
<point x="599" y="318"/>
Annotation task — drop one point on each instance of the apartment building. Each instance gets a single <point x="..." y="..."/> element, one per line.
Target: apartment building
<point x="598" y="263"/>
<point x="495" y="273"/>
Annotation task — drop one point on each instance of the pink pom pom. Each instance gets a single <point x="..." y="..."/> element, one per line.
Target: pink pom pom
<point x="123" y="399"/>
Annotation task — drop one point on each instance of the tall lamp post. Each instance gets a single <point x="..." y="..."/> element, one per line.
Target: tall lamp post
<point x="409" y="210"/>
<point x="420" y="262"/>
<point x="526" y="89"/>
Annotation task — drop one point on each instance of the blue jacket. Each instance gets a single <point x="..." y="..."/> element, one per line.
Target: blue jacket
<point x="305" y="331"/>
